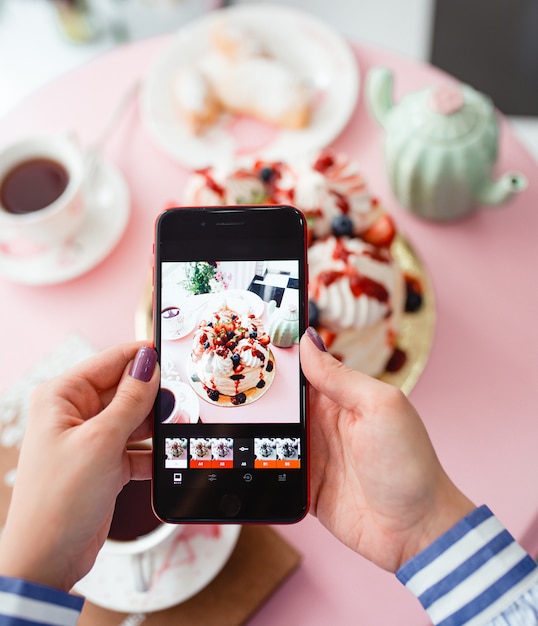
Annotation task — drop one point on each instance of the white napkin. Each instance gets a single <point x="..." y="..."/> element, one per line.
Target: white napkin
<point x="14" y="403"/>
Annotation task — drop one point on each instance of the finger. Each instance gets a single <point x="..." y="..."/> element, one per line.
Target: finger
<point x="141" y="464"/>
<point x="103" y="371"/>
<point x="144" y="431"/>
<point x="332" y="378"/>
<point x="134" y="397"/>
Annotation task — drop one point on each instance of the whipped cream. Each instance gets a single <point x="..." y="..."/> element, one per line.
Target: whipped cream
<point x="357" y="288"/>
<point x="224" y="185"/>
<point x="329" y="186"/>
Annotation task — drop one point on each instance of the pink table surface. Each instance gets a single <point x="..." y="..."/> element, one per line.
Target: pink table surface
<point x="478" y="394"/>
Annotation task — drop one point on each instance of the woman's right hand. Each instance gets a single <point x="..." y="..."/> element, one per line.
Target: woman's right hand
<point x="376" y="482"/>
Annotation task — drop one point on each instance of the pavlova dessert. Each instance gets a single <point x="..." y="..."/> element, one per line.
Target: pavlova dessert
<point x="357" y="291"/>
<point x="230" y="355"/>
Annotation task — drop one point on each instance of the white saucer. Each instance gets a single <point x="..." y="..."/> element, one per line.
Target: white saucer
<point x="185" y="564"/>
<point x="108" y="214"/>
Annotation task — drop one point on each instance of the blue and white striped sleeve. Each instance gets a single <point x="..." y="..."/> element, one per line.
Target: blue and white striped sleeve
<point x="24" y="604"/>
<point x="475" y="574"/>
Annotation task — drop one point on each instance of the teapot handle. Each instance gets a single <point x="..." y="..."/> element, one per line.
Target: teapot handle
<point x="378" y="92"/>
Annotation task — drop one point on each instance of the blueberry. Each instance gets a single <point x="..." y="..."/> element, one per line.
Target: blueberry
<point x="266" y="174"/>
<point x="261" y="384"/>
<point x="413" y="302"/>
<point x="213" y="394"/>
<point x="235" y="359"/>
<point x="240" y="398"/>
<point x="313" y="313"/>
<point x="414" y="299"/>
<point x="206" y="345"/>
<point x="253" y="335"/>
<point x="342" y="226"/>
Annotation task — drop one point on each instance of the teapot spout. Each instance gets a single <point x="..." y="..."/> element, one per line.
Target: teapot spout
<point x="502" y="189"/>
<point x="379" y="93"/>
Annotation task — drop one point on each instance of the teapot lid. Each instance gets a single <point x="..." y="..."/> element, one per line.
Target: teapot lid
<point x="446" y="99"/>
<point x="290" y="312"/>
<point x="450" y="112"/>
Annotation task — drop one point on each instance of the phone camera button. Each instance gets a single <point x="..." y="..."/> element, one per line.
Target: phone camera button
<point x="230" y="504"/>
<point x="247" y="477"/>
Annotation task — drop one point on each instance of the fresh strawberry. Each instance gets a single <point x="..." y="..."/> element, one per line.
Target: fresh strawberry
<point x="381" y="233"/>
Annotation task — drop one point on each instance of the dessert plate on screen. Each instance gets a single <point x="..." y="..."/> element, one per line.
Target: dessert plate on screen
<point x="319" y="56"/>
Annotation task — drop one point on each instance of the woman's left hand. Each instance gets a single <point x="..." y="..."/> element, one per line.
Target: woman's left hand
<point x="74" y="461"/>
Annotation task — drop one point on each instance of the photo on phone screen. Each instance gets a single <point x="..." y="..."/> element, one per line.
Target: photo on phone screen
<point x="230" y="418"/>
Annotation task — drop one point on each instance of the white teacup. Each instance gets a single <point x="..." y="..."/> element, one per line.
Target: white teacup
<point x="173" y="322"/>
<point x="140" y="553"/>
<point x="179" y="403"/>
<point x="138" y="549"/>
<point x="42" y="204"/>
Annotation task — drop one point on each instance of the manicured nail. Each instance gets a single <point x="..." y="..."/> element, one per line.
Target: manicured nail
<point x="144" y="364"/>
<point x="316" y="339"/>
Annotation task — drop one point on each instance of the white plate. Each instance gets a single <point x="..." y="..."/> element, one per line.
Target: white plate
<point x="108" y="214"/>
<point x="240" y="300"/>
<point x="185" y="564"/>
<point x="318" y="54"/>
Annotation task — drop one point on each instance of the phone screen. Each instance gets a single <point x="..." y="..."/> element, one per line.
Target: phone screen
<point x="230" y="417"/>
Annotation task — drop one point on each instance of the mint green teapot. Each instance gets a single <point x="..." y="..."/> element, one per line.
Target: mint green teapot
<point x="283" y="327"/>
<point x="441" y="145"/>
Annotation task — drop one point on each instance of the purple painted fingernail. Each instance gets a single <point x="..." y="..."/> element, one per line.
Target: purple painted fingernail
<point x="144" y="364"/>
<point x="316" y="339"/>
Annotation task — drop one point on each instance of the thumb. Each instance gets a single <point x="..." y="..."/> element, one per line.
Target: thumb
<point x="331" y="377"/>
<point x="135" y="394"/>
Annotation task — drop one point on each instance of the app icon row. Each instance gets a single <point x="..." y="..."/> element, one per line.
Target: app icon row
<point x="225" y="452"/>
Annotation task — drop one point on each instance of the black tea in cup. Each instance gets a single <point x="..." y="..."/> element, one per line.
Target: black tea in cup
<point x="168" y="401"/>
<point x="32" y="185"/>
<point x="133" y="515"/>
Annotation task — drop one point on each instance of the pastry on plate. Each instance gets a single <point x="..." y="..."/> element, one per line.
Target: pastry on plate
<point x="238" y="74"/>
<point x="195" y="99"/>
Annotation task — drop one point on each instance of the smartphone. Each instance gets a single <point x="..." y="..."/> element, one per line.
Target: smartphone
<point x="230" y="429"/>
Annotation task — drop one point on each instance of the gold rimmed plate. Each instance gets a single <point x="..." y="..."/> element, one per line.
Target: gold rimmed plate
<point x="418" y="328"/>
